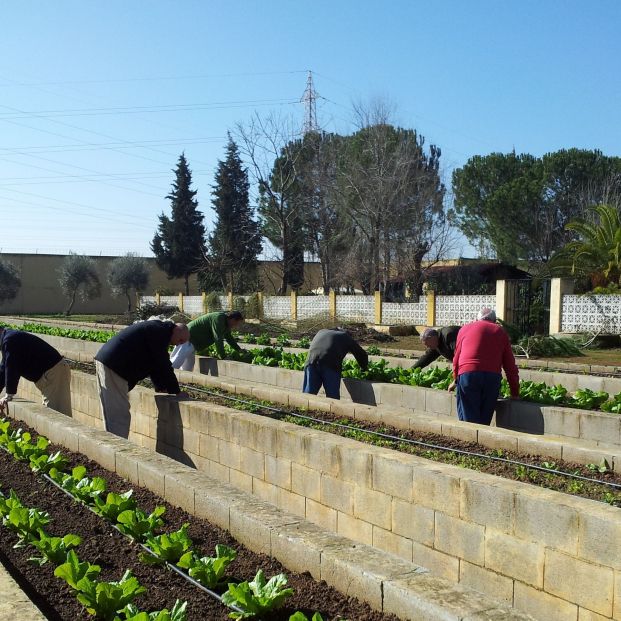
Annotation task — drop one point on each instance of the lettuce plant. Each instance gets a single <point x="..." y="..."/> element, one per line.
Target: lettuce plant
<point x="138" y="525"/>
<point x="207" y="570"/>
<point x="169" y="547"/>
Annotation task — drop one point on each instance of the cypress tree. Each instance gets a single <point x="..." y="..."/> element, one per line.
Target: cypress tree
<point x="235" y="243"/>
<point x="179" y="242"/>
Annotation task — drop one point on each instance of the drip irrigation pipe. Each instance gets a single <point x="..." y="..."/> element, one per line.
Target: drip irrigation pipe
<point x="392" y="438"/>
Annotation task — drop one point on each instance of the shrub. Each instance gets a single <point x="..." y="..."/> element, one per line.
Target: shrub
<point x="239" y="304"/>
<point x="212" y="301"/>
<point x="253" y="306"/>
<point x="151" y="309"/>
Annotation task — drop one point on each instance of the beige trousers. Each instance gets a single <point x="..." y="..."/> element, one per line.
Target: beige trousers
<point x="114" y="400"/>
<point x="55" y="386"/>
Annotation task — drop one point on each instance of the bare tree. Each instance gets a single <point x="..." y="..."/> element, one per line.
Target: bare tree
<point x="392" y="191"/>
<point x="268" y="145"/>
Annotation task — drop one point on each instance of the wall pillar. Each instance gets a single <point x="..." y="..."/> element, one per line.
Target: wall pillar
<point x="502" y="300"/>
<point x="378" y="308"/>
<point x="230" y="300"/>
<point x="260" y="300"/>
<point x="204" y="302"/>
<point x="332" y="304"/>
<point x="431" y="308"/>
<point x="294" y="305"/>
<point x="181" y="302"/>
<point x="158" y="298"/>
<point x="558" y="288"/>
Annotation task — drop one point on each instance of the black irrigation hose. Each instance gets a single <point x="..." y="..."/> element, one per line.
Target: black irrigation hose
<point x="174" y="568"/>
<point x="405" y="440"/>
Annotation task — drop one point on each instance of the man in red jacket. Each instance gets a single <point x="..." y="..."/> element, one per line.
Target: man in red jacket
<point x="483" y="349"/>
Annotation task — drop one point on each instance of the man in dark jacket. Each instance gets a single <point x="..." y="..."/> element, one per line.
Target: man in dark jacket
<point x="28" y="356"/>
<point x="139" y="351"/>
<point x="440" y="342"/>
<point x="325" y="359"/>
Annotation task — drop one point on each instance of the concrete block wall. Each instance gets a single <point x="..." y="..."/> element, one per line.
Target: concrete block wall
<point x="547" y="554"/>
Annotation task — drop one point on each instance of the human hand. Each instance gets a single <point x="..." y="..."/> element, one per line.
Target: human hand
<point x="451" y="387"/>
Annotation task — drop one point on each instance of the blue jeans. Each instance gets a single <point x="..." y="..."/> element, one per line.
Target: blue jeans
<point x="316" y="375"/>
<point x="477" y="393"/>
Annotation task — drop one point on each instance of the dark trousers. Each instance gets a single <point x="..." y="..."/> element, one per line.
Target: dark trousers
<point x="316" y="375"/>
<point x="477" y="393"/>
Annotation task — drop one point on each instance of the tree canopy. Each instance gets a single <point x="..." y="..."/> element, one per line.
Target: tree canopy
<point x="127" y="273"/>
<point x="10" y="281"/>
<point x="77" y="277"/>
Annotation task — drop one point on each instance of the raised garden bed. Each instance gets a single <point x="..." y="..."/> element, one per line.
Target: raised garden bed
<point x="105" y="546"/>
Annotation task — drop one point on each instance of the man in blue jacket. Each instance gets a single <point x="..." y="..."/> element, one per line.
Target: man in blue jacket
<point x="130" y="356"/>
<point x="28" y="356"/>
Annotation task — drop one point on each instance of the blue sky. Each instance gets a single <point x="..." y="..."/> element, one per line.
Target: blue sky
<point x="97" y="99"/>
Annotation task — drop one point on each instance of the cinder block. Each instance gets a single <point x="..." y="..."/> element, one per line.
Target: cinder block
<point x="485" y="581"/>
<point x="179" y="488"/>
<point x="356" y="464"/>
<point x="439" y="563"/>
<point x="299" y="546"/>
<point x="561" y="422"/>
<point x="392" y="543"/>
<point x="151" y="474"/>
<point x="393" y="474"/>
<point x="490" y="505"/>
<point x="436" y="489"/>
<point x="586" y="584"/>
<point x="337" y="494"/>
<point x="617" y="596"/>
<point x="499" y="614"/>
<point x="531" y="445"/>
<point x="292" y="443"/>
<point x="324" y="454"/>
<point x="584" y="454"/>
<point x="538" y="518"/>
<point x="353" y="528"/>
<point x="241" y="480"/>
<point x="321" y="515"/>
<point x="588" y="615"/>
<point x="362" y="571"/>
<point x="127" y="463"/>
<point x="293" y="503"/>
<point x="466" y="432"/>
<point x="216" y="506"/>
<point x="252" y="522"/>
<point x="542" y="605"/>
<point x="497" y="439"/>
<point x="438" y="401"/>
<point x="96" y="446"/>
<point x="306" y="482"/>
<point x="278" y="471"/>
<point x="209" y="447"/>
<point x="229" y="454"/>
<point x="459" y="538"/>
<point x="425" y="424"/>
<point x="265" y="491"/>
<point x="370" y="413"/>
<point x="514" y="557"/>
<point x="252" y="462"/>
<point x="374" y="507"/>
<point x="199" y="420"/>
<point x="600" y="427"/>
<point x="422" y="597"/>
<point x="413" y="522"/>
<point x="299" y="401"/>
<point x="219" y="472"/>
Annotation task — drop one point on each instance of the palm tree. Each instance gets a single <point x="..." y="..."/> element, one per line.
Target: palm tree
<point x="597" y="251"/>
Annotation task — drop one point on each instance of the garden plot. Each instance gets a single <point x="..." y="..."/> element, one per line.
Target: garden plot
<point x="545" y="553"/>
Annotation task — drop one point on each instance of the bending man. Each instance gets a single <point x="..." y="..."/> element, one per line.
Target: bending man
<point x="139" y="351"/>
<point x="210" y="329"/>
<point x="483" y="348"/>
<point x="26" y="355"/>
<point x="325" y="361"/>
<point x="438" y="343"/>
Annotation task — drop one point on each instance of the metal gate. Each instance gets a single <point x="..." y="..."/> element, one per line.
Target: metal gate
<point x="528" y="305"/>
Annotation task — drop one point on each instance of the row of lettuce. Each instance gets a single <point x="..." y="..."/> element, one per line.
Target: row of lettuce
<point x="435" y="377"/>
<point x="379" y="371"/>
<point x="114" y="600"/>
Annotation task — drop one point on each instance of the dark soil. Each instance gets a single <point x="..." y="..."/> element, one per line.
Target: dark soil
<point x="103" y="545"/>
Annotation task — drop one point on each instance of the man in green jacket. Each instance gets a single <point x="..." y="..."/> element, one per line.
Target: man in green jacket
<point x="209" y="329"/>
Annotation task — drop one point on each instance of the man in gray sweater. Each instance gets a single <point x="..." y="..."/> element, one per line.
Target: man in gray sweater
<point x="325" y="360"/>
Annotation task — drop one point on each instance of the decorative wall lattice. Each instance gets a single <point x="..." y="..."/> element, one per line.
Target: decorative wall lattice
<point x="461" y="309"/>
<point x="414" y="313"/>
<point x="355" y="308"/>
<point x="313" y="306"/>
<point x="193" y="305"/>
<point x="224" y="302"/>
<point x="277" y="307"/>
<point x="170" y="300"/>
<point x="591" y="313"/>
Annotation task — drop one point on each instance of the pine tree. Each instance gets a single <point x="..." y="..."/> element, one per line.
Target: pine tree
<point x="179" y="243"/>
<point x="235" y="242"/>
